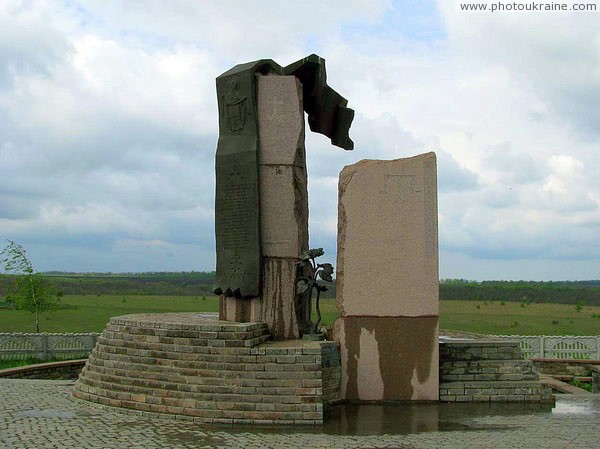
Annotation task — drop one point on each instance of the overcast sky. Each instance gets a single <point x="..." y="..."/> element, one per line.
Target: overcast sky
<point x="108" y="125"/>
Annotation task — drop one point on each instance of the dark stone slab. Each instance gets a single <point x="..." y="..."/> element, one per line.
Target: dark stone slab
<point x="237" y="199"/>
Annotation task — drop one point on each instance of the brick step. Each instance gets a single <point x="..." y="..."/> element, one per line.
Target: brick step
<point x="115" y="388"/>
<point x="181" y="352"/>
<point x="496" y="384"/>
<point x="480" y="350"/>
<point x="153" y="342"/>
<point x="212" y="331"/>
<point x="306" y="380"/>
<point x="122" y="346"/>
<point x="136" y="326"/>
<point x="518" y="364"/>
<point x="489" y="377"/>
<point x="107" y="356"/>
<point x="228" y="414"/>
<point x="500" y="391"/>
<point x="487" y="370"/>
<point x="194" y="376"/>
<point x="202" y="368"/>
<point x="171" y="336"/>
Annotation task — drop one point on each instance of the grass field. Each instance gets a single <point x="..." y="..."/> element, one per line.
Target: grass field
<point x="90" y="314"/>
<point x="513" y="319"/>
<point x="493" y="318"/>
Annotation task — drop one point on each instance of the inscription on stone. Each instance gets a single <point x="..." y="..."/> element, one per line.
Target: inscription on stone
<point x="399" y="186"/>
<point x="235" y="214"/>
<point x="237" y="230"/>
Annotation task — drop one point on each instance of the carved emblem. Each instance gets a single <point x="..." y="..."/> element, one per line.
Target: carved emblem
<point x="235" y="175"/>
<point x="235" y="108"/>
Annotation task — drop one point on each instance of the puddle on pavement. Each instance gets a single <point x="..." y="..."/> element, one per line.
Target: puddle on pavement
<point x="401" y="419"/>
<point x="589" y="406"/>
<point x="351" y="419"/>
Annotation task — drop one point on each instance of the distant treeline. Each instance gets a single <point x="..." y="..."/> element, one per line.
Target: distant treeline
<point x="194" y="283"/>
<point x="164" y="283"/>
<point x="562" y="292"/>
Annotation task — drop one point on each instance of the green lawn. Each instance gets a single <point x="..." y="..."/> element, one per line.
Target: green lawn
<point x="90" y="314"/>
<point x="508" y="319"/>
<point x="513" y="319"/>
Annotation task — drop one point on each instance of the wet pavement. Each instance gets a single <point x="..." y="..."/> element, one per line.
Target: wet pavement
<point x="42" y="414"/>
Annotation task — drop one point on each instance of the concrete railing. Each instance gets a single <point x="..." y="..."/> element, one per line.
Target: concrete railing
<point x="46" y="346"/>
<point x="558" y="346"/>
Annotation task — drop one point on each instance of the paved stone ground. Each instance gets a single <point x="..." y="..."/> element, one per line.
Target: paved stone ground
<point x="42" y="414"/>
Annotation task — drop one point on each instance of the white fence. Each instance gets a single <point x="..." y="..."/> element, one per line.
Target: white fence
<point x="46" y="346"/>
<point x="558" y="346"/>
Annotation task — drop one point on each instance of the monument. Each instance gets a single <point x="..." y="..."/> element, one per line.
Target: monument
<point x="248" y="364"/>
<point x="261" y="204"/>
<point x="387" y="279"/>
<point x="228" y="368"/>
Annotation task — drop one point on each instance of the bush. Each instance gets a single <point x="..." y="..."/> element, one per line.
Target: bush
<point x="583" y="385"/>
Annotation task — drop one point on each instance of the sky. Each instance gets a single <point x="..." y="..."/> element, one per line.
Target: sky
<point x="108" y="125"/>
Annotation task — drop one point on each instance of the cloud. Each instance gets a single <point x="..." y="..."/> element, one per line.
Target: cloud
<point x="28" y="46"/>
<point x="108" y="125"/>
<point x="556" y="55"/>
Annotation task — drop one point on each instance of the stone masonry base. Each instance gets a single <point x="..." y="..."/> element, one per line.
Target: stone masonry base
<point x="488" y="371"/>
<point x="194" y="366"/>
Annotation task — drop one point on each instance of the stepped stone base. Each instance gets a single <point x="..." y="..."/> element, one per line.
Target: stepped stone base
<point x="488" y="371"/>
<point x="197" y="367"/>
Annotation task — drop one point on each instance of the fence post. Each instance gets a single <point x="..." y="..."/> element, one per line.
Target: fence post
<point x="542" y="347"/>
<point x="44" y="347"/>
<point x="597" y="348"/>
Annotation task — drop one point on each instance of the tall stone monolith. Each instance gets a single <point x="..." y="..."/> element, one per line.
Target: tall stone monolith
<point x="283" y="207"/>
<point x="388" y="279"/>
<point x="261" y="200"/>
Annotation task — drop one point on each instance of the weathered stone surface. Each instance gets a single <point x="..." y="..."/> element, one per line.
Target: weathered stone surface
<point x="280" y="121"/>
<point x="276" y="305"/>
<point x="235" y="309"/>
<point x="283" y="207"/>
<point x="282" y="159"/>
<point x="387" y="280"/>
<point x="388" y="358"/>
<point x="284" y="201"/>
<point x="387" y="263"/>
<point x="284" y="229"/>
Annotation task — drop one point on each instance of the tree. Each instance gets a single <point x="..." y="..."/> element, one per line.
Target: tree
<point x="30" y="291"/>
